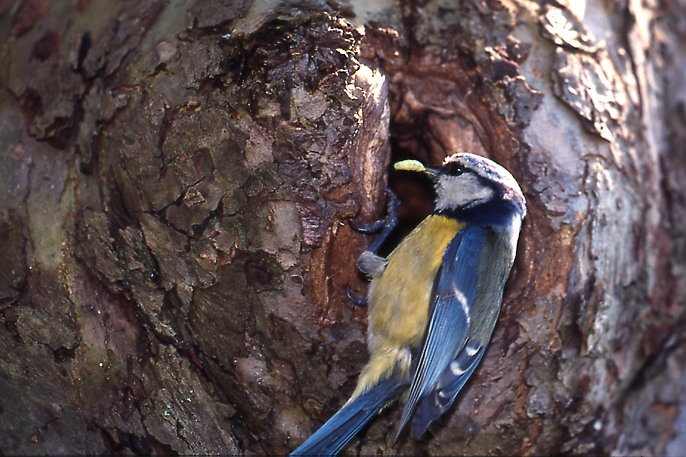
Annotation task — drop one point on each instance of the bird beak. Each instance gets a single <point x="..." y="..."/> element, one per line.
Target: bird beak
<point x="415" y="165"/>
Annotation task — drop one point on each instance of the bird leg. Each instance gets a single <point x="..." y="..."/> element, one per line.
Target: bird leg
<point x="385" y="225"/>
<point x="370" y="262"/>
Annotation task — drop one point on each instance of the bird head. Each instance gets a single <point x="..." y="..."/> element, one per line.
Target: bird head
<point x="468" y="182"/>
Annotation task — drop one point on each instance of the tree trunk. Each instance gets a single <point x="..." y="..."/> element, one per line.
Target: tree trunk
<point x="179" y="179"/>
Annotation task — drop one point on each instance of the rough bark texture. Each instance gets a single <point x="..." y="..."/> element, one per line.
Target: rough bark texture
<point x="178" y="178"/>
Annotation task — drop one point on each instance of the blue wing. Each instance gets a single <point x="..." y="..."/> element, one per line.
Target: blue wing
<point x="448" y="386"/>
<point x="448" y="357"/>
<point x="344" y="425"/>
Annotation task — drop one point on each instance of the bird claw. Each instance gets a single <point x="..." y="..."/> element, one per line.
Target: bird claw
<point x="370" y="228"/>
<point x="359" y="300"/>
<point x="385" y="225"/>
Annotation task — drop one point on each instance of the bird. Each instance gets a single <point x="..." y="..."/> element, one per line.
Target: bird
<point x="433" y="303"/>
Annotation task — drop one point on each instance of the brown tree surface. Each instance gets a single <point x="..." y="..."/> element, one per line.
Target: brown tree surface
<point x="178" y="179"/>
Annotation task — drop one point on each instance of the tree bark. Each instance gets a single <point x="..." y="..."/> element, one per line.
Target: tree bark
<point x="179" y="179"/>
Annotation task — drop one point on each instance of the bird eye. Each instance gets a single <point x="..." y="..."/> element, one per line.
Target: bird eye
<point x="454" y="169"/>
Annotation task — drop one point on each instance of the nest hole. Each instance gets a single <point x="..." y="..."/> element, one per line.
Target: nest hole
<point x="430" y="120"/>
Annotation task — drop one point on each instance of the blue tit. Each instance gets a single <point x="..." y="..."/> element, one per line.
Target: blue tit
<point x="433" y="303"/>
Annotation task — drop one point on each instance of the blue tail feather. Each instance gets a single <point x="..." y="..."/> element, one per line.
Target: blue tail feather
<point x="332" y="437"/>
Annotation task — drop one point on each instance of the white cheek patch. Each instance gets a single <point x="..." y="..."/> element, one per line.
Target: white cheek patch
<point x="458" y="191"/>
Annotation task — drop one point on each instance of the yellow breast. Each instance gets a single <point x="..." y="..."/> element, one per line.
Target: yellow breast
<point x="398" y="301"/>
